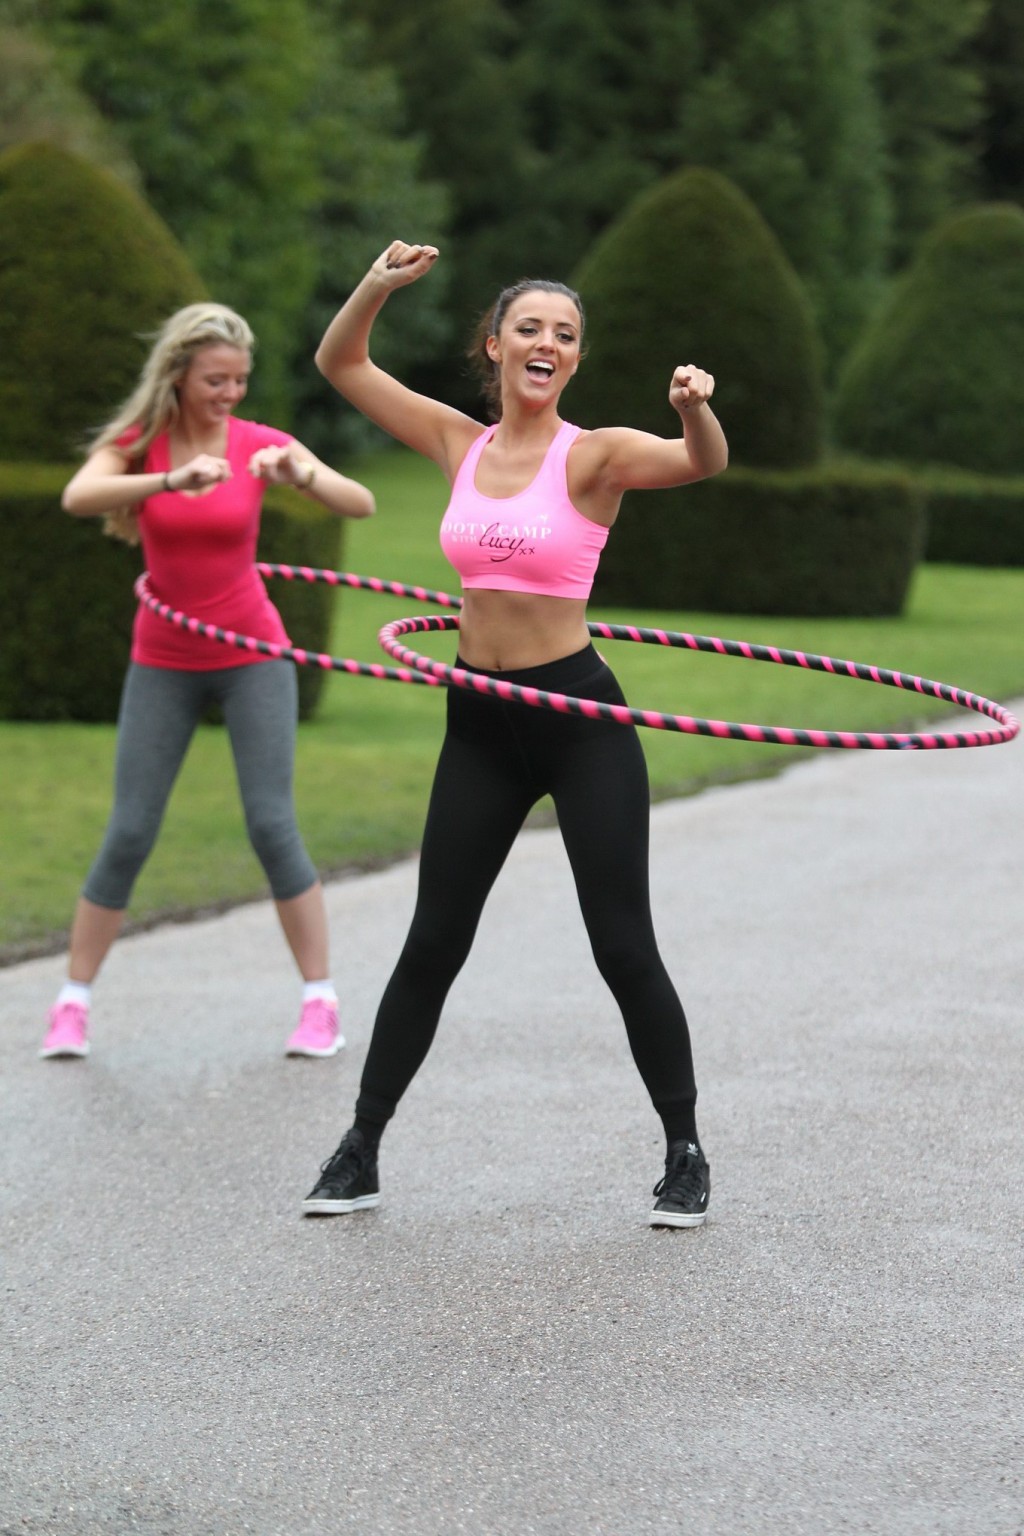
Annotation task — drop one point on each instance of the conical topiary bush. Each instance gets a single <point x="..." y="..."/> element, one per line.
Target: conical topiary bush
<point x="691" y="273"/>
<point x="937" y="376"/>
<point x="86" y="269"/>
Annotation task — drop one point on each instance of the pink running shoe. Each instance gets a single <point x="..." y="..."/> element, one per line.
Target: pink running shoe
<point x="317" y="1033"/>
<point x="69" y="1027"/>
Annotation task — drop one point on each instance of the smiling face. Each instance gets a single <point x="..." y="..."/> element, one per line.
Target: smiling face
<point x="213" y="385"/>
<point x="537" y="347"/>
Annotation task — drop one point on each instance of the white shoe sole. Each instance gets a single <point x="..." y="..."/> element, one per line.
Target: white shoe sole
<point x="338" y="1207"/>
<point x="64" y="1050"/>
<point x="669" y="1219"/>
<point x="311" y="1050"/>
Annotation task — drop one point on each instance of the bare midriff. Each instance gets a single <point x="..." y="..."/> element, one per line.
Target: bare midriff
<point x="503" y="631"/>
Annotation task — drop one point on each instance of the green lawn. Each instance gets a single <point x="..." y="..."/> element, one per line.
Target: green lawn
<point x="364" y="764"/>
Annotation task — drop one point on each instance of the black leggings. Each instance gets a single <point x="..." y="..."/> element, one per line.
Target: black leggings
<point x="497" y="760"/>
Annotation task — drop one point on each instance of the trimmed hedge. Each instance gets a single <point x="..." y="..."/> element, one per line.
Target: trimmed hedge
<point x="836" y="541"/>
<point x="66" y="597"/>
<point x="86" y="267"/>
<point x="974" y="519"/>
<point x="68" y="606"/>
<point x="691" y="273"/>
<point x="937" y="376"/>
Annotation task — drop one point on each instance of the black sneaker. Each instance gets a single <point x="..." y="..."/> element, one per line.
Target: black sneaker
<point x="684" y="1192"/>
<point x="348" y="1180"/>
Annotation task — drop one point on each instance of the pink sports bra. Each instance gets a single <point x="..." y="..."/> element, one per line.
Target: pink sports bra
<point x="535" y="541"/>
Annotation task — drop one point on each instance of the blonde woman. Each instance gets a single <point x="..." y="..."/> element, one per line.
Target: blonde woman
<point x="178" y="470"/>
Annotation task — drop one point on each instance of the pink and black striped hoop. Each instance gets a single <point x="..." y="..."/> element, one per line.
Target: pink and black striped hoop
<point x="416" y="668"/>
<point x="295" y="653"/>
<point x="776" y="735"/>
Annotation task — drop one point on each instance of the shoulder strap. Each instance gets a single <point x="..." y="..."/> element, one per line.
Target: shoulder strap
<point x="554" y="462"/>
<point x="471" y="457"/>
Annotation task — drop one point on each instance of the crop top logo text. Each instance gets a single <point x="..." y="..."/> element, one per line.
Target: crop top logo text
<point x="504" y="540"/>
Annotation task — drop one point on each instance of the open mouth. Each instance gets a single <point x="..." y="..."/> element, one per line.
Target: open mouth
<point x="541" y="371"/>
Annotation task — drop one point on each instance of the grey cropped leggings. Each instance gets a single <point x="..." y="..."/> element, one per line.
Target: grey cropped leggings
<point x="160" y="709"/>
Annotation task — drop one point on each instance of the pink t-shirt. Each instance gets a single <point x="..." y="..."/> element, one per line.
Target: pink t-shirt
<point x="200" y="552"/>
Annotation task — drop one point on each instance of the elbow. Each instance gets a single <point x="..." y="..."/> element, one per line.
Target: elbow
<point x="713" y="467"/>
<point x="340" y="372"/>
<point x="327" y="363"/>
<point x="69" y="500"/>
<point x="358" y="502"/>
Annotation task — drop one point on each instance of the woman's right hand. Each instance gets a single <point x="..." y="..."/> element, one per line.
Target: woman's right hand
<point x="402" y="264"/>
<point x="428" y="426"/>
<point x="202" y="471"/>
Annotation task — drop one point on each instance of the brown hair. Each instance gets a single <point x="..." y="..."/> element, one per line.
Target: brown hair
<point x="486" y="370"/>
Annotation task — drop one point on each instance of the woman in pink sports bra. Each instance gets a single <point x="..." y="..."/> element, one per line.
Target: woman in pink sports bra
<point x="177" y="469"/>
<point x="533" y="499"/>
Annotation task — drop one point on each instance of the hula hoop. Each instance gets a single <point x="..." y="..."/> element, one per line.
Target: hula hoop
<point x="416" y="668"/>
<point x="777" y="735"/>
<point x="291" y="652"/>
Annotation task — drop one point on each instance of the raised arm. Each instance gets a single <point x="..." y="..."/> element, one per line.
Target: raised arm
<point x="623" y="459"/>
<point x="343" y="357"/>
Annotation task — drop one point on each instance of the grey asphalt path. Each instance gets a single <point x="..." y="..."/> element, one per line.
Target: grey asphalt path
<point x="504" y="1348"/>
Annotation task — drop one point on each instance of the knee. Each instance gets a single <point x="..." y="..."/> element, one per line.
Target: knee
<point x="271" y="833"/>
<point x="624" y="959"/>
<point x="128" y="844"/>
<point x="112" y="877"/>
<point x="429" y="959"/>
<point x="276" y="842"/>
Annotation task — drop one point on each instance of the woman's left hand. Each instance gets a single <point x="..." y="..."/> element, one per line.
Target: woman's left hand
<point x="690" y="388"/>
<point x="282" y="466"/>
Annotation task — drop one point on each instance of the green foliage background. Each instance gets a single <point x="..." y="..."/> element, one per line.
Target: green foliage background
<point x="839" y="540"/>
<point x="786" y="105"/>
<point x="258" y="132"/>
<point x="213" y="116"/>
<point x="937" y="377"/>
<point x="70" y="338"/>
<point x="749" y="322"/>
<point x="285" y="142"/>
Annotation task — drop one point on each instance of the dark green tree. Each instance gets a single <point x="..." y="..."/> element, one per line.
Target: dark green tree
<point x="86" y="270"/>
<point x="370" y="191"/>
<point x="274" y="149"/>
<point x="999" y="52"/>
<point x="545" y="118"/>
<point x="691" y="273"/>
<point x="455" y="62"/>
<point x="930" y="89"/>
<point x="937" y="377"/>
<point x="542" y="119"/>
<point x="40" y="103"/>
<point x="786" y="107"/>
<point x="209" y="101"/>
<point x="604" y="90"/>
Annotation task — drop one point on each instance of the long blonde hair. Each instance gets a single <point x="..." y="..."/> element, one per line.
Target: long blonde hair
<point x="153" y="404"/>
